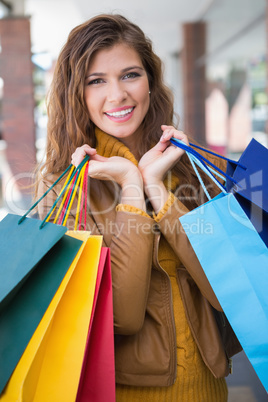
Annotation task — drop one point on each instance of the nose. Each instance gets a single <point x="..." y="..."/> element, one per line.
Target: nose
<point x="116" y="92"/>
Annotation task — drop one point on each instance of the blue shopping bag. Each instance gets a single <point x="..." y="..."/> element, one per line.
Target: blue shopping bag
<point x="235" y="261"/>
<point x="251" y="191"/>
<point x="247" y="179"/>
<point x="251" y="174"/>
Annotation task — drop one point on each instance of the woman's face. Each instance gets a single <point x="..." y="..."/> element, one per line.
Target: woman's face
<point x="117" y="92"/>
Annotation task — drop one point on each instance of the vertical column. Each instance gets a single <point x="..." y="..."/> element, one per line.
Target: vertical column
<point x="16" y="70"/>
<point x="194" y="80"/>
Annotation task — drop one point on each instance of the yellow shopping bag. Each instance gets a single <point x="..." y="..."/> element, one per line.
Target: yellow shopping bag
<point x="49" y="369"/>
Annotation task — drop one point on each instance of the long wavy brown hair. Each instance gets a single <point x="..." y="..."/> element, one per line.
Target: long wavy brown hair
<point x="69" y="125"/>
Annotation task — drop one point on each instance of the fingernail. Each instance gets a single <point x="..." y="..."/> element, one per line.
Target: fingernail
<point x="166" y="134"/>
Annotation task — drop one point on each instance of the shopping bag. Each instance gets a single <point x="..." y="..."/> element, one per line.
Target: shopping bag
<point x="25" y="241"/>
<point x="235" y="261"/>
<point x="251" y="174"/>
<point x="257" y="215"/>
<point x="98" y="365"/>
<point x="50" y="367"/>
<point x="21" y="316"/>
<point x="251" y="191"/>
<point x="246" y="178"/>
<point x="22" y="246"/>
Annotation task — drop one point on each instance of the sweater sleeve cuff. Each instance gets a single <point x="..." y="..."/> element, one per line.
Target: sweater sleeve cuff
<point x="165" y="208"/>
<point x="130" y="208"/>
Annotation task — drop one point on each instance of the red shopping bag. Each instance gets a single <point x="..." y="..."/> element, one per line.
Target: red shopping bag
<point x="97" y="380"/>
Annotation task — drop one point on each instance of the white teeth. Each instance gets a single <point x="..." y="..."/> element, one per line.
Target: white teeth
<point x="121" y="113"/>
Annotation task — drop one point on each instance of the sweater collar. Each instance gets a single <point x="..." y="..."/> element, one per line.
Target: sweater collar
<point x="108" y="146"/>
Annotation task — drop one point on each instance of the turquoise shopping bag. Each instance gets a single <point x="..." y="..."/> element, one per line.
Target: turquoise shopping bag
<point x="235" y="261"/>
<point x="20" y="317"/>
<point x="22" y="246"/>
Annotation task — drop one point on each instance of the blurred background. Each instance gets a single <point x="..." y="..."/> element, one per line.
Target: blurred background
<point x="215" y="58"/>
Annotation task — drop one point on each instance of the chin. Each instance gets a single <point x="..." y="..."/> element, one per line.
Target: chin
<point x="120" y="135"/>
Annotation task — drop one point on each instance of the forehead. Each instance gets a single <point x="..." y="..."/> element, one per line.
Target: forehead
<point x="118" y="56"/>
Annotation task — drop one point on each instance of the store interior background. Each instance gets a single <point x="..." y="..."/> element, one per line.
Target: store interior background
<point x="229" y="45"/>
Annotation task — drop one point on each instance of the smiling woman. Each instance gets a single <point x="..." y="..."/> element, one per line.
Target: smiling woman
<point x="108" y="101"/>
<point x="117" y="92"/>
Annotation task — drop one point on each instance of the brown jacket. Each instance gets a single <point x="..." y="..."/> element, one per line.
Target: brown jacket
<point x="145" y="339"/>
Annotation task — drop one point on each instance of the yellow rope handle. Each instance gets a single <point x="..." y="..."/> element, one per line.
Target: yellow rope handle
<point x="66" y="181"/>
<point x="63" y="199"/>
<point x="82" y="174"/>
<point x="80" y="180"/>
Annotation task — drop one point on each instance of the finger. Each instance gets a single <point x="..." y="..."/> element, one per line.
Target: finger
<point x="161" y="145"/>
<point x="77" y="158"/>
<point x="88" y="150"/>
<point x="99" y="170"/>
<point x="170" y="132"/>
<point x="99" y="158"/>
<point x="81" y="152"/>
<point x="165" y="126"/>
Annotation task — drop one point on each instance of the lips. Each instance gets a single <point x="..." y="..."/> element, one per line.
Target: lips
<point x="120" y="114"/>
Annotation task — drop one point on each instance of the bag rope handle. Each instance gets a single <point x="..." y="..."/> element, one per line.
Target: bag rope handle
<point x="72" y="172"/>
<point x="80" y="199"/>
<point x="84" y="198"/>
<point x="78" y="169"/>
<point x="194" y="161"/>
<point x="43" y="196"/>
<point x="77" y="184"/>
<point x="218" y="155"/>
<point x="69" y="199"/>
<point x="61" y="192"/>
<point x="201" y="158"/>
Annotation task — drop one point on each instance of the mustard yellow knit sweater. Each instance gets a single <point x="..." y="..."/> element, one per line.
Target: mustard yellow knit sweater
<point x="194" y="382"/>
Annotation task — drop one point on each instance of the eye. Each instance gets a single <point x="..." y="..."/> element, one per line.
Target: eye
<point x="131" y="75"/>
<point x="96" y="81"/>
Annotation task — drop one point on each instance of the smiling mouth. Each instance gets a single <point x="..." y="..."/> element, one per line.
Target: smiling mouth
<point x="121" y="113"/>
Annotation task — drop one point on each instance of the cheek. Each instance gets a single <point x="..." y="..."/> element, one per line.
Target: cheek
<point x="146" y="101"/>
<point x="144" y="91"/>
<point x="91" y="104"/>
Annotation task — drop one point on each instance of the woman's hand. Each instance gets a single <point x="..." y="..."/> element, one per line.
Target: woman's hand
<point x="162" y="157"/>
<point x="117" y="169"/>
<point x="155" y="164"/>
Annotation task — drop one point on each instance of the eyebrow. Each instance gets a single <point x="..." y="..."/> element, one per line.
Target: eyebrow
<point x="122" y="71"/>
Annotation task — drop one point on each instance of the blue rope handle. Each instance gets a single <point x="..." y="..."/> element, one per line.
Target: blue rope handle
<point x="194" y="161"/>
<point x="79" y="167"/>
<point x="218" y="155"/>
<point x="197" y="174"/>
<point x="201" y="158"/>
